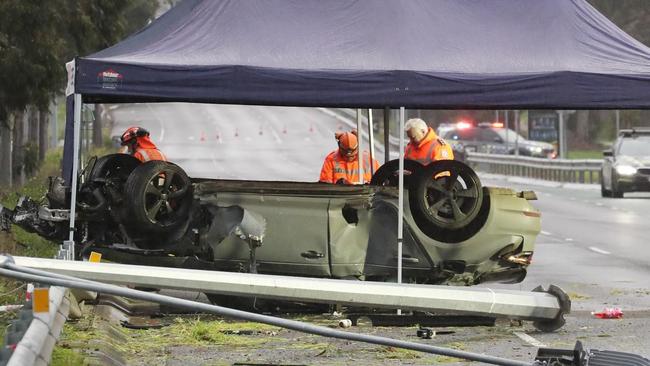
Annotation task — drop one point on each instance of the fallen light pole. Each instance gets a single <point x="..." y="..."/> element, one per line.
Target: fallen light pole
<point x="545" y="308"/>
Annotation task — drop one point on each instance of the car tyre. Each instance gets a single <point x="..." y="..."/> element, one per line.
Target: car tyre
<point x="388" y="174"/>
<point x="616" y="190"/>
<point x="451" y="207"/>
<point x="159" y="196"/>
<point x="113" y="166"/>
<point x="603" y="191"/>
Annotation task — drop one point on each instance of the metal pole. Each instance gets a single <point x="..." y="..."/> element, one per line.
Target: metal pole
<point x="71" y="282"/>
<point x="371" y="138"/>
<point x="506" y="113"/>
<point x="359" y="160"/>
<point x="400" y="215"/>
<point x="517" y="131"/>
<point x="561" y="137"/>
<point x="534" y="305"/>
<point x="75" y="172"/>
<point x="386" y="134"/>
<point x="618" y="121"/>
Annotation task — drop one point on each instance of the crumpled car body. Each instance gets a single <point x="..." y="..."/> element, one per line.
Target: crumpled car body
<point x="154" y="214"/>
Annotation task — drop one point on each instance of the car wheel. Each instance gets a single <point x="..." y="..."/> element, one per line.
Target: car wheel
<point x="616" y="190"/>
<point x="388" y="174"/>
<point x="604" y="192"/>
<point x="448" y="202"/>
<point x="159" y="195"/>
<point x="117" y="166"/>
<point x="105" y="180"/>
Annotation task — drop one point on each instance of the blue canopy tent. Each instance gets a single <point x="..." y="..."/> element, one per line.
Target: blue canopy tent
<point x="502" y="54"/>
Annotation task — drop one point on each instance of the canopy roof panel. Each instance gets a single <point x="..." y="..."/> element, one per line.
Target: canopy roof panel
<point x="376" y="53"/>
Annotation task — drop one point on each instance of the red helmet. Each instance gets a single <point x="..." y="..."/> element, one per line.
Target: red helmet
<point x="131" y="134"/>
<point x="348" y="143"/>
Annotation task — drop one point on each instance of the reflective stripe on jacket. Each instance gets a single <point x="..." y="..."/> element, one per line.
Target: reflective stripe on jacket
<point x="431" y="148"/>
<point x="336" y="167"/>
<point x="145" y="155"/>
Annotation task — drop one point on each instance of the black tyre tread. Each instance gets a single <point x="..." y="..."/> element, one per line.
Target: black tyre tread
<point x="122" y="164"/>
<point x="616" y="191"/>
<point x="386" y="171"/>
<point x="604" y="192"/>
<point x="447" y="235"/>
<point x="134" y="195"/>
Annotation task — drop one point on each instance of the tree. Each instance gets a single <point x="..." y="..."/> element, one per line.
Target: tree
<point x="633" y="16"/>
<point x="38" y="37"/>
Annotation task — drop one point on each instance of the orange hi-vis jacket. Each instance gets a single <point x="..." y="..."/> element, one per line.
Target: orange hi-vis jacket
<point x="431" y="148"/>
<point x="335" y="167"/>
<point x="146" y="150"/>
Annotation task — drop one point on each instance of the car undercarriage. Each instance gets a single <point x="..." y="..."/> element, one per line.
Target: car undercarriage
<point x="455" y="230"/>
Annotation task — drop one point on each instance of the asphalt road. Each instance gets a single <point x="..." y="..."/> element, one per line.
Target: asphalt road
<point x="593" y="247"/>
<point x="238" y="142"/>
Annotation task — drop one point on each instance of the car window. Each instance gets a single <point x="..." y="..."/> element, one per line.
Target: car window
<point x="488" y="135"/>
<point x="468" y="134"/>
<point x="638" y="146"/>
<point x="510" y="136"/>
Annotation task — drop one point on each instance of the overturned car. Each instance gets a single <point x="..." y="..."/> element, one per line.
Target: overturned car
<point x="454" y="230"/>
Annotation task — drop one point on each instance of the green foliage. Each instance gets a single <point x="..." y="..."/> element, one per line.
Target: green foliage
<point x="38" y="37"/>
<point x="66" y="357"/>
<point x="585" y="154"/>
<point x="630" y="15"/>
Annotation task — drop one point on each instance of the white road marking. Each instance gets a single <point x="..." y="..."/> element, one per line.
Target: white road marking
<point x="598" y="250"/>
<point x="599" y="203"/>
<point x="568" y="239"/>
<point x="615" y="208"/>
<point x="545" y="232"/>
<point x="276" y="136"/>
<point x="530" y="340"/>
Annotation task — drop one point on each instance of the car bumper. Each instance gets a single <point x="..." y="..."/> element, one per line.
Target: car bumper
<point x="634" y="183"/>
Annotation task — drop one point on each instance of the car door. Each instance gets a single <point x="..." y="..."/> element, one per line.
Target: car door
<point x="491" y="142"/>
<point x="296" y="236"/>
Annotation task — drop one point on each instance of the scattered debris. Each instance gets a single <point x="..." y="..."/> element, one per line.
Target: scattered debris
<point x="608" y="313"/>
<point x="426" y="333"/>
<point x="345" y="323"/>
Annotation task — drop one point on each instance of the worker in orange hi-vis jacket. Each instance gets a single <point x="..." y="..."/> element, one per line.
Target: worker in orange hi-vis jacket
<point x="138" y="144"/>
<point x="424" y="145"/>
<point x="341" y="166"/>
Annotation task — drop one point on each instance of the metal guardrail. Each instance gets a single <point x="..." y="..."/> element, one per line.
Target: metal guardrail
<point x="30" y="338"/>
<point x="557" y="170"/>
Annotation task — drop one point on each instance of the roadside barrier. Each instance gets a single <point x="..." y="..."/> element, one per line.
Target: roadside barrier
<point x="30" y="338"/>
<point x="557" y="170"/>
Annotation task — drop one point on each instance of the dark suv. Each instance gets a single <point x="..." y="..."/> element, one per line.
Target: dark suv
<point x="493" y="138"/>
<point x="626" y="166"/>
